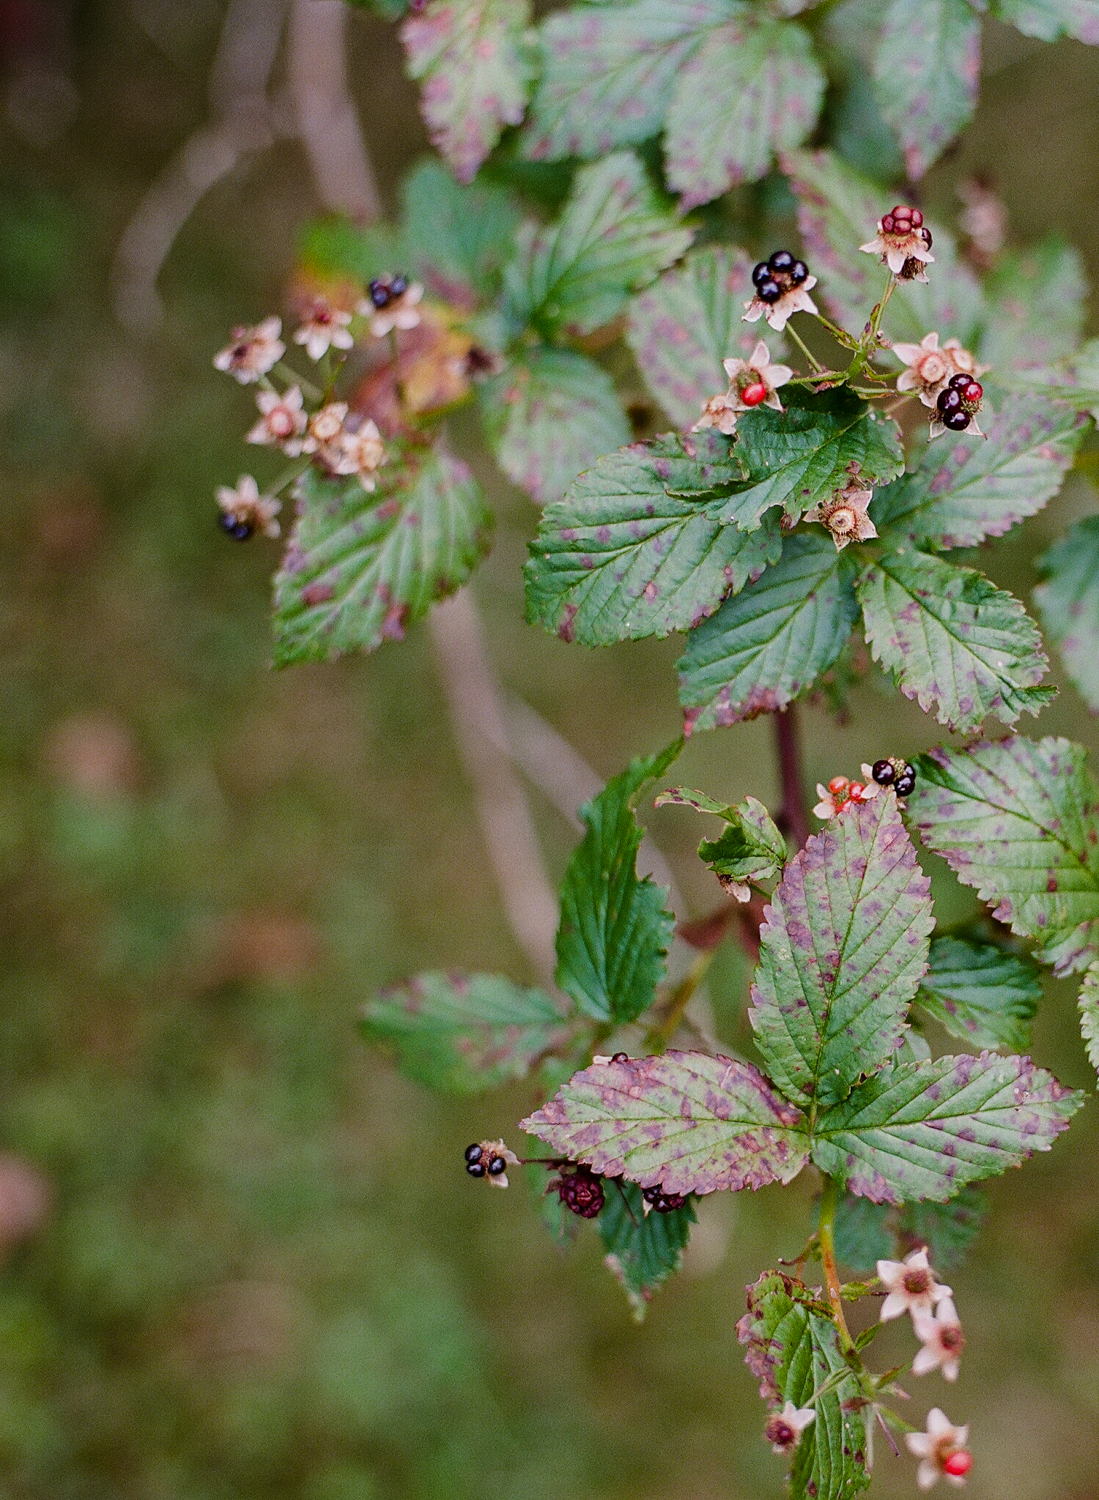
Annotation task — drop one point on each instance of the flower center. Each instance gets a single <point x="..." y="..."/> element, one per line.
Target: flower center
<point x="780" y="1432"/>
<point x="951" y="1339"/>
<point x="280" y="422"/>
<point x="932" y="369"/>
<point x="842" y="520"/>
<point x="918" y="1283"/>
<point x="754" y="393"/>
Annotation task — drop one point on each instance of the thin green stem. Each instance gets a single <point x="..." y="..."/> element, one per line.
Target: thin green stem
<point x="288" y="475"/>
<point x="809" y="355"/>
<point x="292" y="377"/>
<point x="840" y="335"/>
<point x="826" y="1232"/>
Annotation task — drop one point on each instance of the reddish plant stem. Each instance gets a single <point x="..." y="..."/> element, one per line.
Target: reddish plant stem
<point x="793" y="815"/>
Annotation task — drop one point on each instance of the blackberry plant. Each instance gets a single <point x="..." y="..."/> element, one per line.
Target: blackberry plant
<point x="593" y="227"/>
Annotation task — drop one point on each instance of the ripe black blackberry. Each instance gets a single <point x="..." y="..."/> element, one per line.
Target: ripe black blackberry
<point x="238" y="528"/>
<point x="497" y="1166"/>
<point x="884" y="772"/>
<point x="379" y="292"/>
<point x="781" y="260"/>
<point x="895" y="772"/>
<point x="905" y="783"/>
<point x="660" y="1201"/>
<point x="776" y="275"/>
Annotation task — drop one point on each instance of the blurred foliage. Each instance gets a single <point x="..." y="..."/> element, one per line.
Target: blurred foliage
<point x="265" y="1273"/>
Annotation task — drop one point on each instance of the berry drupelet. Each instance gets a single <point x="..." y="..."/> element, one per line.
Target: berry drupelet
<point x="776" y="275"/>
<point x="895" y="772"/>
<point x="581" y="1191"/>
<point x="662" y="1202"/>
<point x="236" y="527"/>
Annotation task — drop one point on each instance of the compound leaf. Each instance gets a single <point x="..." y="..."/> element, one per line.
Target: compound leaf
<point x="613" y="237"/>
<point x="926" y="69"/>
<point x="793" y="1348"/>
<point x="952" y="640"/>
<point x="360" y="566"/>
<point x="799" y="457"/>
<point x="686" y="323"/>
<point x="614" y="931"/>
<point x="1036" y="306"/>
<point x="637" y="546"/>
<point x="925" y="1129"/>
<point x="1018" y="820"/>
<point x="964" y="491"/>
<point x="1049" y="19"/>
<point x="465" y="1032"/>
<point x="842" y="951"/>
<point x="550" y="414"/>
<point x="837" y="211"/>
<point x="766" y="645"/>
<point x="980" y="993"/>
<point x="608" y="73"/>
<point x="752" y="88"/>
<point x="1068" y="602"/>
<point x="685" y="1120"/>
<point x="643" y="1250"/>
<point x="472" y="59"/>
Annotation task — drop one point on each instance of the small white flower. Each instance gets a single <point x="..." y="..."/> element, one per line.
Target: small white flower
<point x="245" y="511"/>
<point x="778" y="314"/>
<point x="784" y="1429"/>
<point x="911" y="1282"/>
<point x="391" y="304"/>
<point x="841" y="793"/>
<point x="845" y="514"/>
<point x="940" y="1334"/>
<point x="325" y="432"/>
<point x="720" y="412"/>
<point x="930" y="368"/>
<point x="941" y="1450"/>
<point x="253" y="351"/>
<point x="282" y="420"/>
<point x="752" y="382"/>
<point x="361" y="453"/>
<point x="324" y="327"/>
<point x="901" y="237"/>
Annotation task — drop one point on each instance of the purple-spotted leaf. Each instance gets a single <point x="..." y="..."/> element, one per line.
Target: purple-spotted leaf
<point x="687" y="322"/>
<point x="608" y="73"/>
<point x="964" y="491"/>
<point x="1049" y="19"/>
<point x="1089" y="1013"/>
<point x="837" y="211"/>
<point x="924" y="1129"/>
<point x="688" y="1121"/>
<point x="1018" y="820"/>
<point x="549" y="415"/>
<point x="1036" y="306"/>
<point x="953" y="641"/>
<point x="474" y="64"/>
<point x="769" y="643"/>
<point x="926" y="69"/>
<point x="466" y="1032"/>
<point x="842" y="952"/>
<point x="752" y="88"/>
<point x="359" y="567"/>
<point x="749" y="849"/>
<point x="643" y="1249"/>
<point x="1068" y="603"/>
<point x="637" y="546"/>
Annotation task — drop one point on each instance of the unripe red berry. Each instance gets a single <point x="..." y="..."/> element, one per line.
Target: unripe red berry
<point x="856" y="790"/>
<point x="971" y="395"/>
<point x="838" y="784"/>
<point x="958" y="1464"/>
<point x="754" y="394"/>
<point x="916" y="217"/>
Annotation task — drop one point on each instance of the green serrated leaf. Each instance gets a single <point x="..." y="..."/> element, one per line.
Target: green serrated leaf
<point x="749" y="849"/>
<point x="1089" y="1013"/>
<point x="643" y="1249"/>
<point x="927" y="67"/>
<point x="688" y="1121"/>
<point x="613" y="237"/>
<point x="549" y="415"/>
<point x="1049" y="19"/>
<point x="1036" y="306"/>
<point x="459" y="238"/>
<point x="842" y="952"/>
<point x="637" y="547"/>
<point x="964" y="491"/>
<point x="753" y="87"/>
<point x="947" y="1229"/>
<point x="769" y="643"/>
<point x="465" y="1032"/>
<point x="608" y="74"/>
<point x="1018" y="820"/>
<point x="475" y="67"/>
<point x="614" y="931"/>
<point x="980" y="993"/>
<point x="924" y="1129"/>
<point x="359" y="567"/>
<point x="792" y="1347"/>
<point x="799" y="457"/>
<point x="953" y="641"/>
<point x="688" y="321"/>
<point x="1068" y="603"/>
<point x="1075" y="380"/>
<point x="837" y="211"/>
<point x="863" y="1233"/>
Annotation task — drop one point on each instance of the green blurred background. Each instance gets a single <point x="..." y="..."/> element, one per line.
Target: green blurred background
<point x="240" y="1256"/>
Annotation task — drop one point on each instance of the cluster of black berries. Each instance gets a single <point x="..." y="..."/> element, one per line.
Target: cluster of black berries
<point x="896" y="773"/>
<point x="662" y="1202"/>
<point x="386" y="289"/>
<point x="959" y="402"/>
<point x="580" y="1190"/>
<point x="478" y="1163"/>
<point x="773" y="277"/>
<point x="238" y="527"/>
